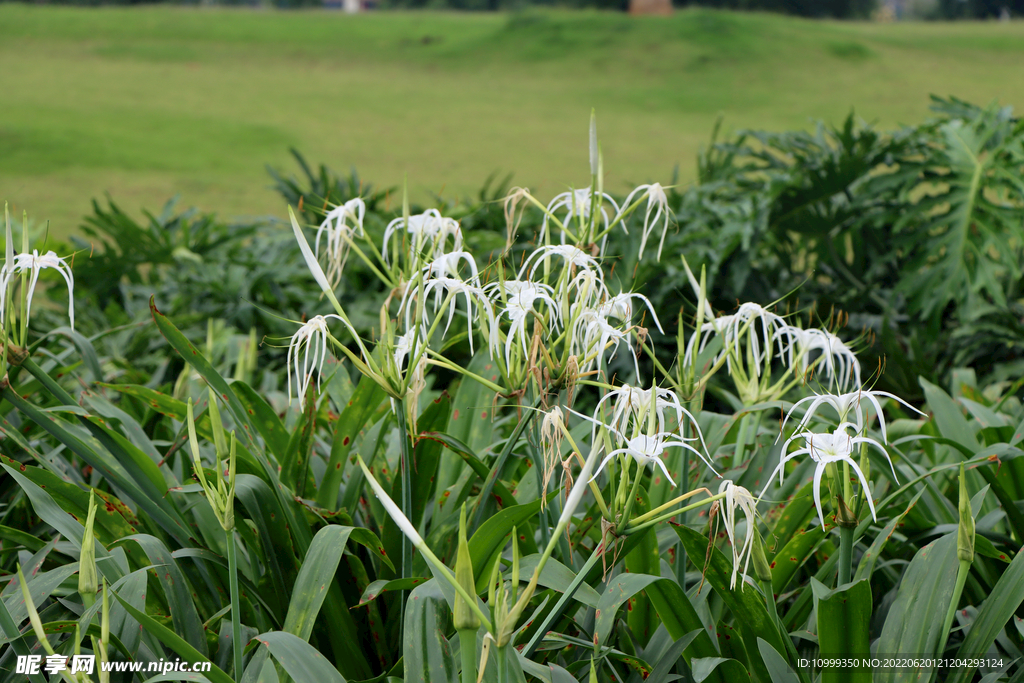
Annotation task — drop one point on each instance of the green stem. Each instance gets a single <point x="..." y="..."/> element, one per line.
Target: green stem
<point x="538" y="466"/>
<point x="559" y="607"/>
<point x="506" y="451"/>
<point x="406" y="454"/>
<point x="845" y="554"/>
<point x="628" y="507"/>
<point x="769" y="602"/>
<point x="236" y="616"/>
<point x="406" y="466"/>
<point x="647" y="522"/>
<point x="741" y="440"/>
<point x="501" y="654"/>
<point x="467" y="648"/>
<point x="961" y="578"/>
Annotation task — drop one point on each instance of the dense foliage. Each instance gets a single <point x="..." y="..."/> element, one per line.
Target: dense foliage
<point x="525" y="439"/>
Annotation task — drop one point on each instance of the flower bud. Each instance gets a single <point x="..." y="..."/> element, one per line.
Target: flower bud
<point x="965" y="531"/>
<point x="465" y="617"/>
<point x="762" y="569"/>
<point x="88" y="578"/>
<point x="845" y="517"/>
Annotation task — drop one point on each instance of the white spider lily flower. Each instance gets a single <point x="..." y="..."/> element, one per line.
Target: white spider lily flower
<point x="737" y="497"/>
<point x="839" y="363"/>
<point x="313" y="335"/>
<point x="551" y="437"/>
<point x="34" y="263"/>
<point x="447" y="266"/>
<point x="522" y="297"/>
<point x="826" y="449"/>
<point x="753" y="322"/>
<point x="592" y="335"/>
<point x="449" y="285"/>
<point x="586" y="289"/>
<point x="646" y="449"/>
<point x="427" y="228"/>
<point x="577" y="204"/>
<point x="657" y="203"/>
<point x="621" y="306"/>
<point x="408" y="345"/>
<point x="340" y="225"/>
<point x="631" y="406"/>
<point x="845" y="405"/>
<point x="572" y="255"/>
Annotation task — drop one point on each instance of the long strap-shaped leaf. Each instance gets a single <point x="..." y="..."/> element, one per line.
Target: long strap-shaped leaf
<point x="339" y="621"/>
<point x="995" y="613"/>
<point x="299" y="659"/>
<point x="747" y="604"/>
<point x="152" y="502"/>
<point x="174" y="641"/>
<point x="194" y="358"/>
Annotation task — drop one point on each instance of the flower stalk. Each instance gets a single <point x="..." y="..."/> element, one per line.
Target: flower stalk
<point x="965" y="555"/>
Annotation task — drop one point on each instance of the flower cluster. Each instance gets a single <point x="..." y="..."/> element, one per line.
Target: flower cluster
<point x="555" y="320"/>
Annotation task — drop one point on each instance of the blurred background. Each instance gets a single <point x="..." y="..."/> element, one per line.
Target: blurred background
<point x="857" y="163"/>
<point x="145" y="102"/>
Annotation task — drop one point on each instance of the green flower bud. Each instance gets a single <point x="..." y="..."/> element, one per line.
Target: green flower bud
<point x="88" y="578"/>
<point x="965" y="531"/>
<point x="465" y="617"/>
<point x="762" y="569"/>
<point x="220" y="494"/>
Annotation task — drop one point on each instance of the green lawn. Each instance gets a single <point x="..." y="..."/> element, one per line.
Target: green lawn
<point x="148" y="102"/>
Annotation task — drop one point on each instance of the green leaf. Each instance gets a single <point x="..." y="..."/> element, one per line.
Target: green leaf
<point x="382" y="586"/>
<point x="263" y="417"/>
<point x="502" y="496"/>
<point x="914" y="622"/>
<point x="67" y="526"/>
<point x="125" y="474"/>
<point x="486" y="544"/>
<point x="110" y="523"/>
<point x="948" y="416"/>
<point x="470" y="421"/>
<point x="874" y="551"/>
<point x="619" y="590"/>
<point x="161" y="403"/>
<point x="680" y="620"/>
<point x="997" y="610"/>
<point x="172" y="640"/>
<point x="15" y="537"/>
<point x="643" y="559"/>
<point x="295" y="465"/>
<point x="367" y="396"/>
<point x="703" y="668"/>
<point x="315" y="575"/>
<point x="844" y="618"/>
<point x="779" y="670"/>
<point x="747" y="605"/>
<point x="426" y="455"/>
<point x="426" y="652"/>
<point x="794" y="518"/>
<point x="557" y="576"/>
<point x="302" y="661"/>
<point x="184" y="616"/>
<point x="40" y="588"/>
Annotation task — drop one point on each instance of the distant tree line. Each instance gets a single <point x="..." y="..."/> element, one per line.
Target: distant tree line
<point x="836" y="9"/>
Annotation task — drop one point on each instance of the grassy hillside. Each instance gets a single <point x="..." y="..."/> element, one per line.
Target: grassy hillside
<point x="145" y="103"/>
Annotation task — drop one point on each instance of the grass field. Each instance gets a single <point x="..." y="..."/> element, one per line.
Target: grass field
<point x="149" y="102"/>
